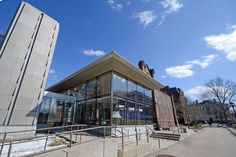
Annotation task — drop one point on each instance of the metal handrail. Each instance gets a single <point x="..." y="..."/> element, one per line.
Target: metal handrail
<point x="49" y="128"/>
<point x="23" y="140"/>
<point x="70" y="132"/>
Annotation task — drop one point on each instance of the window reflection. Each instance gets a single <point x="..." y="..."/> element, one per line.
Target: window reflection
<point x="131" y="90"/>
<point x="90" y="112"/>
<point x="131" y="113"/>
<point x="148" y="113"/>
<point x="132" y="103"/>
<point x="104" y="85"/>
<point x="119" y="112"/>
<point x="44" y="110"/>
<point x="80" y="112"/>
<point x="140" y="114"/>
<point x="140" y="93"/>
<point x="91" y="89"/>
<point x="119" y="86"/>
<point x="148" y="96"/>
<point x="104" y="109"/>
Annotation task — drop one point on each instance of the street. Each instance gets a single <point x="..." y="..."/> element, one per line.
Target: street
<point x="209" y="142"/>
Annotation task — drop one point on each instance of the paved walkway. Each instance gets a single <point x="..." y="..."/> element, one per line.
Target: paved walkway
<point x="209" y="142"/>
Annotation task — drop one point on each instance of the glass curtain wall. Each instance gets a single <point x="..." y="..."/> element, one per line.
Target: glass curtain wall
<point x="93" y="104"/>
<point x="132" y="103"/>
<point x="44" y="110"/>
<point x="55" y="112"/>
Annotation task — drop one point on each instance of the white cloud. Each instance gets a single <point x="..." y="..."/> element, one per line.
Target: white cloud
<point x="226" y="43"/>
<point x="204" y="62"/>
<point x="114" y="4"/>
<point x="91" y="52"/>
<point x="186" y="70"/>
<point x="128" y="3"/>
<point x="163" y="76"/>
<point x="230" y="27"/>
<point x="197" y="92"/>
<point x="171" y="6"/>
<point x="181" y="71"/>
<point x="52" y="71"/>
<point x="146" y="17"/>
<point x="145" y="1"/>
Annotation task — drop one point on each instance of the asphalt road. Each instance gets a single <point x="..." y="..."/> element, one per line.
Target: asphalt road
<point x="209" y="142"/>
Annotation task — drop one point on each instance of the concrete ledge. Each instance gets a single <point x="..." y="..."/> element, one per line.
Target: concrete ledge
<point x="232" y="131"/>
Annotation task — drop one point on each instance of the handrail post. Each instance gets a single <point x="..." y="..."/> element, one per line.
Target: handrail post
<point x="136" y="135"/>
<point x="122" y="138"/>
<point x="1" y="148"/>
<point x="45" y="146"/>
<point x="70" y="139"/>
<point x="80" y="138"/>
<point x="147" y="135"/>
<point x="4" y="137"/>
<point x="104" y="132"/>
<point x="9" y="150"/>
<point x="128" y="134"/>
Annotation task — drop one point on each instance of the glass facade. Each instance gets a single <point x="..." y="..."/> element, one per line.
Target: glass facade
<point x="93" y="105"/>
<point x="44" y="110"/>
<point x="55" y="112"/>
<point x="103" y="85"/>
<point x="132" y="103"/>
<point x="119" y="86"/>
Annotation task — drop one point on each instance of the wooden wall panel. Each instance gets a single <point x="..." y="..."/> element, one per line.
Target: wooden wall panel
<point x="163" y="110"/>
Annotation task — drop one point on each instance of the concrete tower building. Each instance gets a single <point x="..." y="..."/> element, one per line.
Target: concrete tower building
<point x="25" y="59"/>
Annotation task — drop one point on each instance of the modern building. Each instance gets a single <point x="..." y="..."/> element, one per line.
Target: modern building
<point x="25" y="59"/>
<point x="111" y="91"/>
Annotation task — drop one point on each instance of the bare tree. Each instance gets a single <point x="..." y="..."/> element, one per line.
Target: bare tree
<point x="193" y="112"/>
<point x="223" y="91"/>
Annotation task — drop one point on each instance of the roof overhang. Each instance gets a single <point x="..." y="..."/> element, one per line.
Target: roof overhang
<point x="110" y="62"/>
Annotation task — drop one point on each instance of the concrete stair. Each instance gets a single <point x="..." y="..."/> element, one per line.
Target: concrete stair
<point x="167" y="136"/>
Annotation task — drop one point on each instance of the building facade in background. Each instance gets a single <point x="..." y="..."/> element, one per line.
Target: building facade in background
<point x="25" y="59"/>
<point x="207" y="111"/>
<point x="180" y="103"/>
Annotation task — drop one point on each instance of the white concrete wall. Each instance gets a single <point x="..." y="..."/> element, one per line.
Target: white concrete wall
<point x="25" y="60"/>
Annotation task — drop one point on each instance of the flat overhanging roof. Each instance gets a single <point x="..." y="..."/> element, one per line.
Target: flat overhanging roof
<point x="110" y="62"/>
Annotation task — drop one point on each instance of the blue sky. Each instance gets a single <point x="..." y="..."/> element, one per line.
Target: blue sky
<point x="186" y="42"/>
